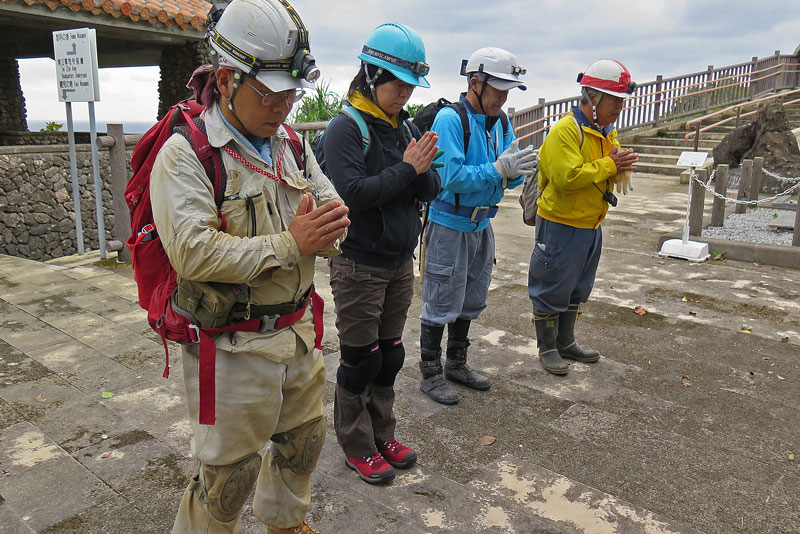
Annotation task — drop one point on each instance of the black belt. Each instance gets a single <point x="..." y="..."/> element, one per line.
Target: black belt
<point x="261" y="310"/>
<point x="475" y="214"/>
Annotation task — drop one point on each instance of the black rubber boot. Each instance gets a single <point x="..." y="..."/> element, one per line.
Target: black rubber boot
<point x="455" y="367"/>
<point x="433" y="383"/>
<point x="565" y="342"/>
<point x="546" y="333"/>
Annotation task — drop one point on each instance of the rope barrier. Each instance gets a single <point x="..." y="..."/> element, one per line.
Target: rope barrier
<point x="708" y="188"/>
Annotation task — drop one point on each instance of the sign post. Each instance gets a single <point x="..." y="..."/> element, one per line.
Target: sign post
<point x="683" y="248"/>
<point x="75" y="52"/>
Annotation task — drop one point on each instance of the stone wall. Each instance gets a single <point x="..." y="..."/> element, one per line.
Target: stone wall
<point x="37" y="218"/>
<point x="12" y="103"/>
<point x="20" y="138"/>
<point x="177" y="65"/>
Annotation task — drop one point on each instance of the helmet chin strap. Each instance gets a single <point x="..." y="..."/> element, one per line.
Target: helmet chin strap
<point x="480" y="95"/>
<point x="594" y="106"/>
<point x="371" y="81"/>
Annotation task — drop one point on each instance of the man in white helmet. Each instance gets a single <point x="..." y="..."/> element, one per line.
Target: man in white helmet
<point x="481" y="161"/>
<point x="581" y="161"/>
<point x="260" y="247"/>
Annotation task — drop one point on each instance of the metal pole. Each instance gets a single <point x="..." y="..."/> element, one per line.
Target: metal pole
<point x="685" y="238"/>
<point x="73" y="167"/>
<point x="98" y="187"/>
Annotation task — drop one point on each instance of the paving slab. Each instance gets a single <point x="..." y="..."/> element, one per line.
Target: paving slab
<point x="687" y="421"/>
<point x="28" y="457"/>
<point x="572" y="506"/>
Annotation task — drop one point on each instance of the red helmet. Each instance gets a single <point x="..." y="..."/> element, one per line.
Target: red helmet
<point x="608" y="76"/>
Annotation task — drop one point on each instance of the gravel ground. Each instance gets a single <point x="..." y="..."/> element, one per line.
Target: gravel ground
<point x="752" y="227"/>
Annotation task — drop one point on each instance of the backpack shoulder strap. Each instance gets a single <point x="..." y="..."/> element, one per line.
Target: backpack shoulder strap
<point x="298" y="148"/>
<point x="462" y="114"/>
<point x="504" y="122"/>
<point x="580" y="130"/>
<point x="195" y="133"/>
<point x="354" y="114"/>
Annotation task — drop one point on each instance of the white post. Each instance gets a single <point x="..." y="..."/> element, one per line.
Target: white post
<point x="76" y="194"/>
<point x="685" y="238"/>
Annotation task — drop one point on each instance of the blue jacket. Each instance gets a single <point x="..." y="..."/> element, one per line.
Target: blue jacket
<point x="473" y="176"/>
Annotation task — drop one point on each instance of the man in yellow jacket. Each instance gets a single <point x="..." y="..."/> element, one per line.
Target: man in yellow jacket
<point x="581" y="161"/>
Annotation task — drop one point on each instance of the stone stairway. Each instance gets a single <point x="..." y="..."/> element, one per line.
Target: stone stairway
<point x="659" y="148"/>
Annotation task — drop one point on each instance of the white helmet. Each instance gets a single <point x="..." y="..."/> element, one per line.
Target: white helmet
<point x="608" y="76"/>
<point x="265" y="39"/>
<point x="501" y="66"/>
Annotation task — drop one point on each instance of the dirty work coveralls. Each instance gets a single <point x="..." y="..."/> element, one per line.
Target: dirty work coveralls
<point x="267" y="383"/>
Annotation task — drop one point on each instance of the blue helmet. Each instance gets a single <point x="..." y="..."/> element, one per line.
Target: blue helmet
<point x="398" y="49"/>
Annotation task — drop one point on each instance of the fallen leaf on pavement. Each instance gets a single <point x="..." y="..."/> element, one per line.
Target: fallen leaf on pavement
<point x="40" y="398"/>
<point x="107" y="454"/>
<point x="686" y="383"/>
<point x="639" y="310"/>
<point x="487" y="440"/>
<point x="746" y="329"/>
<point x="684" y="299"/>
<point x="693" y="314"/>
<point x="780" y="377"/>
<point x="106" y="394"/>
<point x="791" y="457"/>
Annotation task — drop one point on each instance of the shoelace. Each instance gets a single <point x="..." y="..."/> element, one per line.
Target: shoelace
<point x="391" y="445"/>
<point x="372" y="459"/>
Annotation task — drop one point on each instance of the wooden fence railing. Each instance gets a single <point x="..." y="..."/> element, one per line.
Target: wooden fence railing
<point x="672" y="98"/>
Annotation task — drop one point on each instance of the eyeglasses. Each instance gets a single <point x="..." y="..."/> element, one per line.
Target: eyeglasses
<point x="290" y="96"/>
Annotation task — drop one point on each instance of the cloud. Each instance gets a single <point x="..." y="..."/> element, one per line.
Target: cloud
<point x="554" y="39"/>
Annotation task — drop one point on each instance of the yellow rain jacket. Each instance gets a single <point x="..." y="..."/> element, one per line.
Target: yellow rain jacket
<point x="573" y="176"/>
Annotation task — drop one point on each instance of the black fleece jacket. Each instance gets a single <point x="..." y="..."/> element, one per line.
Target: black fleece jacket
<point x="379" y="188"/>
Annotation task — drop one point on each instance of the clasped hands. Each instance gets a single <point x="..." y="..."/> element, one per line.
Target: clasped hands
<point x="514" y="163"/>
<point x="624" y="160"/>
<point x="316" y="230"/>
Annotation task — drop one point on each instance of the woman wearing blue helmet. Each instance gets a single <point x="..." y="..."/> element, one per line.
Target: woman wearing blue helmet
<point x="381" y="167"/>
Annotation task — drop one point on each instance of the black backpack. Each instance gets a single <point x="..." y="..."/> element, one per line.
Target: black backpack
<point x="424" y="117"/>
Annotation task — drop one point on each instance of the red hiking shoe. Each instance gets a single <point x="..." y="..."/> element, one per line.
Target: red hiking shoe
<point x="397" y="454"/>
<point x="371" y="469"/>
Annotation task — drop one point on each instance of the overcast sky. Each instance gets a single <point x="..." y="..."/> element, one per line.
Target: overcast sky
<point x="553" y="39"/>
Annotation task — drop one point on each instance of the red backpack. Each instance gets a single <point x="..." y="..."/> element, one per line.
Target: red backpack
<point x="155" y="277"/>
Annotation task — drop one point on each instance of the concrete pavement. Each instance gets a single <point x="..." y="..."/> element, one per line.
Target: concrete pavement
<point x="688" y="424"/>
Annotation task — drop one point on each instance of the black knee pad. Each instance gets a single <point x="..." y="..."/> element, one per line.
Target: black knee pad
<point x="394" y="354"/>
<point x="358" y="367"/>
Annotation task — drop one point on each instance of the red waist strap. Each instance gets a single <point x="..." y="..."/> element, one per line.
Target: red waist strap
<point x="208" y="350"/>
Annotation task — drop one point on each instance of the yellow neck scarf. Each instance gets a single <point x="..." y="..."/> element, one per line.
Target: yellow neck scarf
<point x="362" y="103"/>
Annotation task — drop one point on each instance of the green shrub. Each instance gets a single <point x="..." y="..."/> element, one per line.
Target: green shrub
<point x="52" y="127"/>
<point x="319" y="106"/>
<point x="413" y="109"/>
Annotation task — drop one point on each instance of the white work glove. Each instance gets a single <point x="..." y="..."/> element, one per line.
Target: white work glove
<point x="624" y="182"/>
<point x="513" y="163"/>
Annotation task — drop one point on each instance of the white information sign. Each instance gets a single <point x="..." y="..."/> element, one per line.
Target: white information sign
<point x="76" y="65"/>
<point x="692" y="159"/>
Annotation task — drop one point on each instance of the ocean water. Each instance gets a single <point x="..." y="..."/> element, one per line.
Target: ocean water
<point x="100" y="126"/>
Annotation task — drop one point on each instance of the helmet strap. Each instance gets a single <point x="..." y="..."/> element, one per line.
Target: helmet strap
<point x="480" y="95"/>
<point x="594" y="106"/>
<point x="371" y="80"/>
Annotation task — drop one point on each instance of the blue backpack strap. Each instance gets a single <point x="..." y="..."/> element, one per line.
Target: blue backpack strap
<point x="362" y="125"/>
